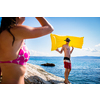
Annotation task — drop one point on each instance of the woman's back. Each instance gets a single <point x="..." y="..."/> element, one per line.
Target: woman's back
<point x="10" y="71"/>
<point x="7" y="51"/>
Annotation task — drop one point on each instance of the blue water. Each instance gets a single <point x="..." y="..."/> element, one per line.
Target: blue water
<point x="85" y="70"/>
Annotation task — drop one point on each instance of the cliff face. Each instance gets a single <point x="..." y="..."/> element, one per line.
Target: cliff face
<point x="37" y="75"/>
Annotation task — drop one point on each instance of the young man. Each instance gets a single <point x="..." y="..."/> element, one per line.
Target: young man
<point x="67" y="62"/>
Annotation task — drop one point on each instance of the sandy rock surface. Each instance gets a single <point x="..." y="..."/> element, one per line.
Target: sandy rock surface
<point x="37" y="75"/>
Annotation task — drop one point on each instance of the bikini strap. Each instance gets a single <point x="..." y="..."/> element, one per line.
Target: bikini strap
<point x="12" y="35"/>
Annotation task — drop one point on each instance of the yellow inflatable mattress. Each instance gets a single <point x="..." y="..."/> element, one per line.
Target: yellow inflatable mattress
<point x="57" y="41"/>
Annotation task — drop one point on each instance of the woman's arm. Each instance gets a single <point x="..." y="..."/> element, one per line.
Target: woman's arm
<point x="26" y="32"/>
<point x="44" y="22"/>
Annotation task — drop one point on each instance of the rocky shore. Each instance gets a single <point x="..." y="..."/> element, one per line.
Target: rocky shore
<point x="37" y="75"/>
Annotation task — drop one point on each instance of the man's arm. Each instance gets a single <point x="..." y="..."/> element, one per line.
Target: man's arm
<point x="62" y="49"/>
<point x="72" y="50"/>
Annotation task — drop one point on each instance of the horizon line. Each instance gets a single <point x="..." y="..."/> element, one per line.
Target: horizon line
<point x="63" y="56"/>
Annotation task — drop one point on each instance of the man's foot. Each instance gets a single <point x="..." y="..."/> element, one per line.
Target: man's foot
<point x="66" y="82"/>
<point x="69" y="82"/>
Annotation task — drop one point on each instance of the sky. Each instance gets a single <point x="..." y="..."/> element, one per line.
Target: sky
<point x="87" y="27"/>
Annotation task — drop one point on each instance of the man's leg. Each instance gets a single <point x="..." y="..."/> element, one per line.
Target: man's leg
<point x="69" y="73"/>
<point x="66" y="76"/>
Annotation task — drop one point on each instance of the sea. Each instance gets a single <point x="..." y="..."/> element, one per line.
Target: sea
<point x="85" y="70"/>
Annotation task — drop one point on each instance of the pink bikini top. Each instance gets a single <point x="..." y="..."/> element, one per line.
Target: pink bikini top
<point x="22" y="58"/>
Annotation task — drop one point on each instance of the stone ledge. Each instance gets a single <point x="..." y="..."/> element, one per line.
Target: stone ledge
<point x="37" y="75"/>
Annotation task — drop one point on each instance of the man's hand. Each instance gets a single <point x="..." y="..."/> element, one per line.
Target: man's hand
<point x="57" y="49"/>
<point x="72" y="48"/>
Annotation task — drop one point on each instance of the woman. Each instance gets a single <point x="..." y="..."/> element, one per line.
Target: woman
<point x="0" y="74"/>
<point x="13" y="52"/>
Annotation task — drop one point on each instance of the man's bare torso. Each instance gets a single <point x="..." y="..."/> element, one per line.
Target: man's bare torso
<point x="66" y="49"/>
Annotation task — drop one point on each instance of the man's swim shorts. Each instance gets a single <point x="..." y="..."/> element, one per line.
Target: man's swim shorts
<point x="67" y="63"/>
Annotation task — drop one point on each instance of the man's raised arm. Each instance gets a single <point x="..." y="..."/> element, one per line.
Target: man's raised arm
<point x="72" y="50"/>
<point x="62" y="49"/>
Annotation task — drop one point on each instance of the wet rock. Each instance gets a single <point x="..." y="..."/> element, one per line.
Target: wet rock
<point x="48" y="64"/>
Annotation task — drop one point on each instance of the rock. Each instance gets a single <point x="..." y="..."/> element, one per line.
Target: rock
<point x="37" y="75"/>
<point x="48" y="64"/>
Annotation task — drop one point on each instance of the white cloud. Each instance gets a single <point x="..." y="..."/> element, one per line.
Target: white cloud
<point x="91" y="50"/>
<point x="94" y="50"/>
<point x="38" y="53"/>
<point x="98" y="45"/>
<point x="86" y="49"/>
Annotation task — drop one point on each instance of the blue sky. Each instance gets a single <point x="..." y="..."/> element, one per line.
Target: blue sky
<point x="87" y="27"/>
